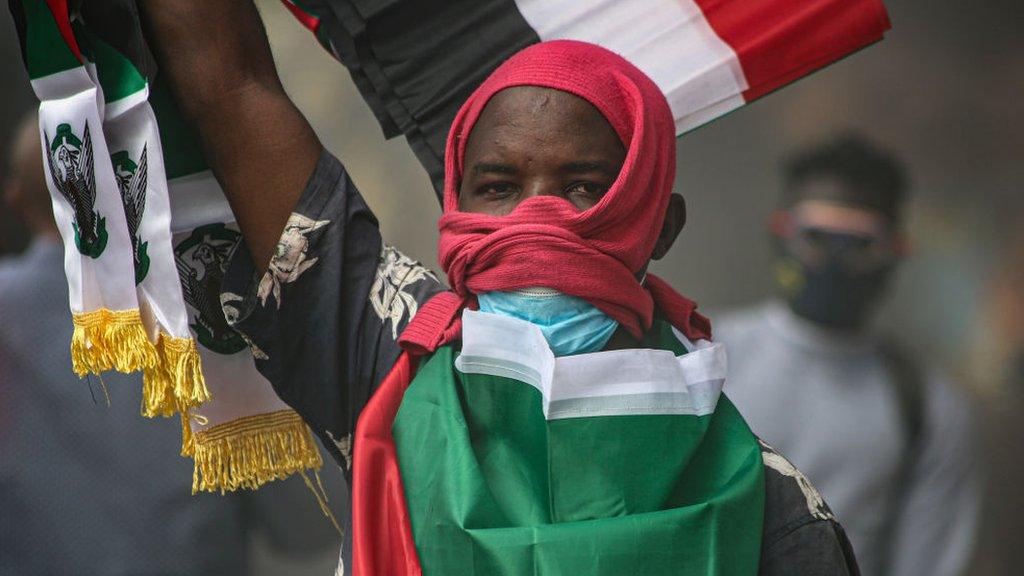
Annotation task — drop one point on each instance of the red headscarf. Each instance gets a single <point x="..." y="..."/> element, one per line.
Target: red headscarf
<point x="594" y="254"/>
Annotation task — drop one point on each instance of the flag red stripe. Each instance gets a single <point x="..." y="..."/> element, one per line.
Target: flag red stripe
<point x="382" y="543"/>
<point x="307" y="19"/>
<point x="59" y="9"/>
<point x="777" y="42"/>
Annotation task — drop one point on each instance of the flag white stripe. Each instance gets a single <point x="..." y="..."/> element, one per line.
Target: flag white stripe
<point x="633" y="381"/>
<point x="119" y="108"/>
<point x="197" y="200"/>
<point x="670" y="40"/>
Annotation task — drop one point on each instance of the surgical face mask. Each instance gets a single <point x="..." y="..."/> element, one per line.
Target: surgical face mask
<point x="571" y="325"/>
<point x="833" y="279"/>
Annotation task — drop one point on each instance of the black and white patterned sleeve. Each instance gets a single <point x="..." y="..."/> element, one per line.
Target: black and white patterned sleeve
<point x="324" y="319"/>
<point x="801" y="534"/>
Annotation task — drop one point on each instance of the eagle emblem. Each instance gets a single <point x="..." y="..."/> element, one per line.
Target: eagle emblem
<point x="131" y="179"/>
<point x="70" y="160"/>
<point x="202" y="259"/>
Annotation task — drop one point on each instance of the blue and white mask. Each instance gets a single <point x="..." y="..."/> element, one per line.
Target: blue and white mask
<point x="571" y="325"/>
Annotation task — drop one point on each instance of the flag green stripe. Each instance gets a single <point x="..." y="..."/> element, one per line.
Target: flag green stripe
<point x="494" y="488"/>
<point x="46" y="52"/>
<point x="117" y="76"/>
<point x="182" y="154"/>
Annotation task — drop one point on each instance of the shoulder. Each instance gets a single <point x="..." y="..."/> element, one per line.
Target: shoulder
<point x="943" y="409"/>
<point x="801" y="534"/>
<point x="790" y="498"/>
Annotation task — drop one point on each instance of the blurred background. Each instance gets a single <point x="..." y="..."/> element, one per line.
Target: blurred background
<point x="943" y="91"/>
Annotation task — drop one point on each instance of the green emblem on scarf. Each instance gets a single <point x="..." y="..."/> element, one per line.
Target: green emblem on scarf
<point x="202" y="259"/>
<point x="493" y="487"/>
<point x="71" y="166"/>
<point x="131" y="179"/>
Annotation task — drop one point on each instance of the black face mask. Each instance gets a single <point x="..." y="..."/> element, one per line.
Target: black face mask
<point x="833" y="279"/>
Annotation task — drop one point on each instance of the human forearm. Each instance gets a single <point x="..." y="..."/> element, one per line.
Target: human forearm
<point x="216" y="58"/>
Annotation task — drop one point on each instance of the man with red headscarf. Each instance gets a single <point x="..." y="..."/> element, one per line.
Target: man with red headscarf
<point x="558" y="410"/>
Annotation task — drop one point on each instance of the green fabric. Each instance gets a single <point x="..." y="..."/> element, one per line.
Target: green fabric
<point x="182" y="153"/>
<point x="45" y="50"/>
<point x="117" y="75"/>
<point x="493" y="488"/>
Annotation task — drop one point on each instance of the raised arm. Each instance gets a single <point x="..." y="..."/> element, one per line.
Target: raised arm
<point x="216" y="58"/>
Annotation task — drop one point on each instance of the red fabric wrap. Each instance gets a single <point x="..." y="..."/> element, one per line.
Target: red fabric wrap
<point x="594" y="254"/>
<point x="381" y="530"/>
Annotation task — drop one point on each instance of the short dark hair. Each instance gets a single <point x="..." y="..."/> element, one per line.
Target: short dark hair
<point x="869" y="176"/>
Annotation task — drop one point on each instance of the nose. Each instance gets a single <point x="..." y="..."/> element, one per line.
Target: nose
<point x="541" y="186"/>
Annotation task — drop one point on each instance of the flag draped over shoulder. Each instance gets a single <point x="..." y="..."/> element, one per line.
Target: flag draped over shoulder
<point x="593" y="488"/>
<point x="416" y="62"/>
<point x="147" y="234"/>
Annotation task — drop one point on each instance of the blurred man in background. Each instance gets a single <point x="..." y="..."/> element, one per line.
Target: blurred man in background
<point x="83" y="484"/>
<point x="885" y="439"/>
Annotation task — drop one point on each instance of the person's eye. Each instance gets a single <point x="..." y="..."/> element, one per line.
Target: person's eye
<point x="496" y="190"/>
<point x="589" y="190"/>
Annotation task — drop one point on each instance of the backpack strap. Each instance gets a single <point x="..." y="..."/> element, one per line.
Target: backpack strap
<point x="908" y="387"/>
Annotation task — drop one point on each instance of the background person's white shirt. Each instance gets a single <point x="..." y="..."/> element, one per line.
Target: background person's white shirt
<point x="826" y="400"/>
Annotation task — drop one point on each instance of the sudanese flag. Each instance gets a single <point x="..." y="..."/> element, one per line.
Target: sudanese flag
<point x="416" y="62"/>
<point x="492" y="456"/>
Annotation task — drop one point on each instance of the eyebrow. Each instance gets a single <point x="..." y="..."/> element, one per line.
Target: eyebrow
<point x="486" y="168"/>
<point x="590" y="166"/>
<point x="580" y="167"/>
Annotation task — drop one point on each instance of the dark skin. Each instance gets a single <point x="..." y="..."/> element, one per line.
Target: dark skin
<point x="223" y="79"/>
<point x="528" y="141"/>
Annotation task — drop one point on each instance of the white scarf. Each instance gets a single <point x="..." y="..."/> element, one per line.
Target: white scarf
<point x="142" y="297"/>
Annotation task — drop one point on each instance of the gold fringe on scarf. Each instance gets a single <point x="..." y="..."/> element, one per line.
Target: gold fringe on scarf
<point x="320" y="495"/>
<point x="251" y="451"/>
<point x="176" y="382"/>
<point x="187" y="441"/>
<point x="110" y="340"/>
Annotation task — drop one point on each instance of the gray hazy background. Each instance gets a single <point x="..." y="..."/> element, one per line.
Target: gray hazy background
<point x="943" y="90"/>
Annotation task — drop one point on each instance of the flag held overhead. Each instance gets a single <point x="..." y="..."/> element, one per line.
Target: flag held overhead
<point x="416" y="62"/>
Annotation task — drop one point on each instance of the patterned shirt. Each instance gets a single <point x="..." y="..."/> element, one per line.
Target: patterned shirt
<point x="324" y="320"/>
